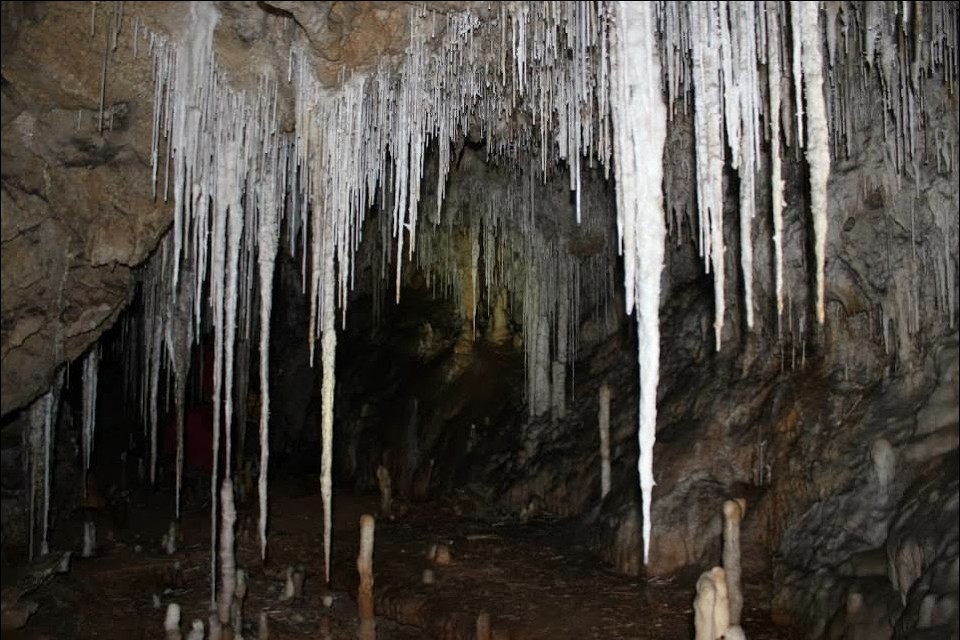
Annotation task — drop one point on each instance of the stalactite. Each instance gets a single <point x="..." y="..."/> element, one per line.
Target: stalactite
<point x="38" y="445"/>
<point x="268" y="238"/>
<point x="774" y="78"/>
<point x="329" y="347"/>
<point x="640" y="123"/>
<point x="708" y="131"/>
<point x="91" y="365"/>
<point x="806" y="19"/>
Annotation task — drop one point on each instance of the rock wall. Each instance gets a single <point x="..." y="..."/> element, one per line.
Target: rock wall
<point x="78" y="215"/>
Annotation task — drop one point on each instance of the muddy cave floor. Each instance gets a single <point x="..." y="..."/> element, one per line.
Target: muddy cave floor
<point x="537" y="580"/>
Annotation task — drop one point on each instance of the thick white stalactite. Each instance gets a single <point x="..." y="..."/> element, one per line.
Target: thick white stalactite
<point x="806" y="17"/>
<point x="640" y="125"/>
<point x="328" y="346"/>
<point x="746" y="89"/>
<point x="774" y="78"/>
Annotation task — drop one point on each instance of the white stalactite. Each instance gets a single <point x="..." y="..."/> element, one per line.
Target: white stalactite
<point x="806" y="18"/>
<point x="268" y="242"/>
<point x="708" y="133"/>
<point x="328" y="345"/>
<point x="640" y="124"/>
<point x="38" y="447"/>
<point x="91" y="365"/>
<point x="774" y="78"/>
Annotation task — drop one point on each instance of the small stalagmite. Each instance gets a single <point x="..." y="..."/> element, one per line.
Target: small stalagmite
<point x="287" y="593"/>
<point x="228" y="570"/>
<point x="216" y="629"/>
<point x="89" y="539"/>
<point x="170" y="539"/>
<point x="196" y="630"/>
<point x="367" y="629"/>
<point x="293" y="586"/>
<point x="386" y="491"/>
<point x="733" y="511"/>
<point x="298" y="578"/>
<point x="263" y="627"/>
<point x="483" y="626"/>
<point x="236" y="609"/>
<point x="439" y="554"/>
<point x="171" y="622"/>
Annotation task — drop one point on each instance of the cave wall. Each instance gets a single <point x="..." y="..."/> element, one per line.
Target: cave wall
<point x="78" y="215"/>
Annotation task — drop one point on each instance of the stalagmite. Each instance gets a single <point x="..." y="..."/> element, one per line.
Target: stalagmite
<point x="216" y="629"/>
<point x="884" y="458"/>
<point x="196" y="630"/>
<point x="640" y="122"/>
<point x="721" y="607"/>
<point x="289" y="588"/>
<point x="228" y="569"/>
<point x="89" y="539"/>
<point x="733" y="511"/>
<point x="239" y="597"/>
<point x="263" y="626"/>
<point x="711" y="607"/>
<point x="483" y="627"/>
<point x="367" y="629"/>
<point x="169" y="541"/>
<point x="703" y="606"/>
<point x="604" y="423"/>
<point x="298" y="578"/>
<point x="386" y="491"/>
<point x="171" y="622"/>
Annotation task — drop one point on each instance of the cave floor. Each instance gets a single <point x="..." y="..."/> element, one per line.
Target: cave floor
<point x="536" y="580"/>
